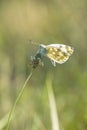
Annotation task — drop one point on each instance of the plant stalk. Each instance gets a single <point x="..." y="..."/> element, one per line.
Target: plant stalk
<point x="17" y="99"/>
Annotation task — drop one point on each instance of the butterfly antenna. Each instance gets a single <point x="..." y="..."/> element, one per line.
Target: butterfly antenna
<point x="34" y="43"/>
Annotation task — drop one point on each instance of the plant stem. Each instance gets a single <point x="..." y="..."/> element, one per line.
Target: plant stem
<point x="17" y="99"/>
<point x="52" y="104"/>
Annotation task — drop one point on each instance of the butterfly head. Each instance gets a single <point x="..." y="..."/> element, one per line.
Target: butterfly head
<point x="43" y="50"/>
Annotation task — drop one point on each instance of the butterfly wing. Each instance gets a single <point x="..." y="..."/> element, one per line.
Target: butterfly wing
<point x="58" y="52"/>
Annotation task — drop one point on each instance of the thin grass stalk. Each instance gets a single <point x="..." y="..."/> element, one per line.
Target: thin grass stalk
<point x="17" y="99"/>
<point x="52" y="104"/>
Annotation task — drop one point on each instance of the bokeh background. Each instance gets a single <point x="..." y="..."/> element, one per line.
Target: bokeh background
<point x="43" y="21"/>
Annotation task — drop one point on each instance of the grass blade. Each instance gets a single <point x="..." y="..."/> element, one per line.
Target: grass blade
<point x="52" y="103"/>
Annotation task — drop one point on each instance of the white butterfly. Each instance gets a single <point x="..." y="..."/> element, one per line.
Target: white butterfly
<point x="57" y="53"/>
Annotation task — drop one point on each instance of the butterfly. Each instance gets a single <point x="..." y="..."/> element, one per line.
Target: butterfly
<point x="57" y="53"/>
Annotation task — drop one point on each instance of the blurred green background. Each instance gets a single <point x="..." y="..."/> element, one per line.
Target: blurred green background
<point x="43" y="21"/>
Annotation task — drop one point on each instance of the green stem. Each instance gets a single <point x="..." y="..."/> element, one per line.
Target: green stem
<point x="17" y="99"/>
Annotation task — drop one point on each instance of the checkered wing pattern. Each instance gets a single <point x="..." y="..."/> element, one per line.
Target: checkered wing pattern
<point x="58" y="53"/>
